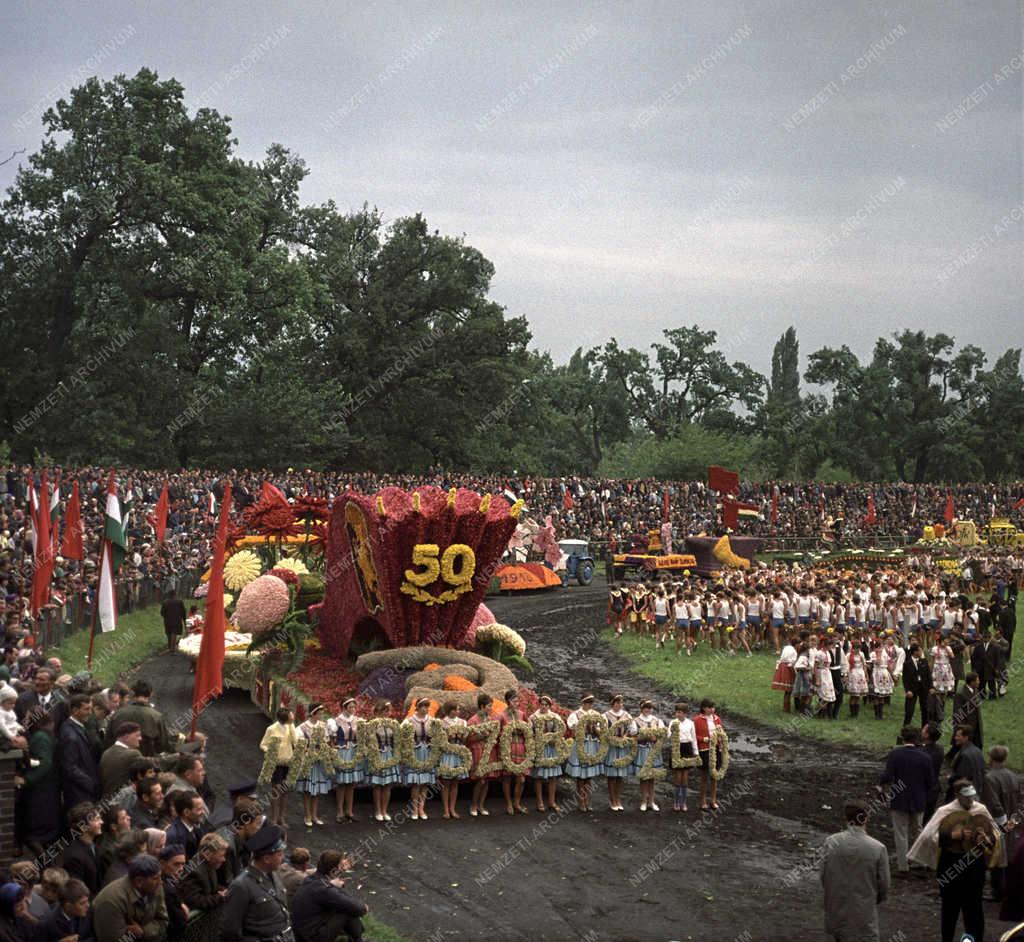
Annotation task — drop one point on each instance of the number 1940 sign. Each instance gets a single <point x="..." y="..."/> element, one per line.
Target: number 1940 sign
<point x="453" y="568"/>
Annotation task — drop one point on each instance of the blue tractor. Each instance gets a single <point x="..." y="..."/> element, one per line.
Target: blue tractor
<point x="580" y="565"/>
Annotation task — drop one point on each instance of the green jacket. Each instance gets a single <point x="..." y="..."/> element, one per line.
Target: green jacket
<point x="118" y="904"/>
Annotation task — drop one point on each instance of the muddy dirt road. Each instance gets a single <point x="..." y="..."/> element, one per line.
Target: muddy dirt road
<point x="745" y="873"/>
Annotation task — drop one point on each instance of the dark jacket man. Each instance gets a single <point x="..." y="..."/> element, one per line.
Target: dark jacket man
<point x="917" y="681"/>
<point x="322" y="911"/>
<point x="79" y="771"/>
<point x="155" y="736"/>
<point x="967" y="709"/>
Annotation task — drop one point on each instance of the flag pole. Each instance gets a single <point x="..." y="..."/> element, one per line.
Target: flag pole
<point x="96" y="600"/>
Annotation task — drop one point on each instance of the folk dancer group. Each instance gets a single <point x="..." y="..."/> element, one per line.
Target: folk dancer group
<point x="616" y="732"/>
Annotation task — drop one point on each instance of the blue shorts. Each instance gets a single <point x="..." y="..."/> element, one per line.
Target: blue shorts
<point x="754" y="620"/>
<point x="804" y="619"/>
<point x="660" y="619"/>
<point x="777" y="622"/>
<point x="682" y="624"/>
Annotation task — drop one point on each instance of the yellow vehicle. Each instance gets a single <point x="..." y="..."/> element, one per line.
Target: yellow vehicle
<point x="1000" y="532"/>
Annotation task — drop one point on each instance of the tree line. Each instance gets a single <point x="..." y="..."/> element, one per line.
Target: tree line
<point x="166" y="303"/>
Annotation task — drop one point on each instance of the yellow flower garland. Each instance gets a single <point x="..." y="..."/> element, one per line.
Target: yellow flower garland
<point x="489" y="732"/>
<point x="450" y="742"/>
<point x="407" y="748"/>
<point x="543" y="737"/>
<point x="369" y="749"/>
<point x="656" y="737"/>
<point x="269" y="762"/>
<point x="589" y="718"/>
<point x="719" y="740"/>
<point x="619" y="740"/>
<point x="512" y="728"/>
<point x="676" y="757"/>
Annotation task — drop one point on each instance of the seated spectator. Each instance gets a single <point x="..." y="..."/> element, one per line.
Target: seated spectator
<point x="294" y="871"/>
<point x="70" y="919"/>
<point x="322" y="910"/>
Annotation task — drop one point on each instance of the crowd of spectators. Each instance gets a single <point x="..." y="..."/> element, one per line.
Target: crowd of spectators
<point x="599" y="510"/>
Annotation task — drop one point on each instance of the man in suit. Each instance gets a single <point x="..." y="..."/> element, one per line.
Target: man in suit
<point x="188" y="828"/>
<point x="966" y="762"/>
<point x="42" y="697"/>
<point x="116" y="762"/>
<point x="855" y="876"/>
<point x="172" y="611"/>
<point x="908" y="773"/>
<point x="917" y="681"/>
<point x="967" y="707"/>
<point x="983" y="663"/>
<point x="79" y="771"/>
<point x="79" y="856"/>
<point x="172" y="864"/>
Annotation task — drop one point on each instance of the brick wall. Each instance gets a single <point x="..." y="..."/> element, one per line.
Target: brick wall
<point x="7" y="765"/>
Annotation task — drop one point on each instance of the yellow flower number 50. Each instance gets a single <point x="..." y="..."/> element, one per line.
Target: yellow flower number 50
<point x="434" y="564"/>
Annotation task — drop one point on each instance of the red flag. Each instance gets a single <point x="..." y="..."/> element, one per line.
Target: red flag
<point x="726" y="482"/>
<point x="1019" y="504"/>
<point x="73" y="544"/>
<point x="730" y="514"/>
<point x="775" y="505"/>
<point x="665" y="506"/>
<point x="160" y="521"/>
<point x="42" y="569"/>
<point x="272" y="494"/>
<point x="567" y="502"/>
<point x="209" y="681"/>
<point x="948" y="515"/>
<point x="870" y="518"/>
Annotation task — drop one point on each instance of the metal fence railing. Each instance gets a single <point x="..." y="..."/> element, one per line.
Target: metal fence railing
<point x="55" y="624"/>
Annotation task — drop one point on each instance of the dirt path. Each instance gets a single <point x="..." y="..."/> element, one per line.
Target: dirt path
<point x="749" y="869"/>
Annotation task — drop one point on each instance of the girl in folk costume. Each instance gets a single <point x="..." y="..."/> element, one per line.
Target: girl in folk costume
<point x="803" y="686"/>
<point x="897" y="656"/>
<point x="284" y="733"/>
<point x="591" y="744"/>
<point x="546" y="777"/>
<point x="419" y="782"/>
<point x="881" y="679"/>
<point x="785" y="673"/>
<point x="823" y="681"/>
<point x="616" y="610"/>
<point x="942" y="667"/>
<point x="449" y="761"/>
<point x="316" y="782"/>
<point x="481" y="783"/>
<point x="704" y="725"/>
<point x="382" y="782"/>
<point x="688" y="749"/>
<point x="620" y="723"/>
<point x="347" y="724"/>
<point x="681" y="617"/>
<point x="512" y="784"/>
<point x="647" y="720"/>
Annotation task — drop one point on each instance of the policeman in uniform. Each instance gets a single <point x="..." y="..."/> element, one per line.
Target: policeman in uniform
<point x="256" y="908"/>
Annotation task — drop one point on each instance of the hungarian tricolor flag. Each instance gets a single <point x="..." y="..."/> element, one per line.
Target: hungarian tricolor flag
<point x="870" y="518"/>
<point x="211" y="504"/>
<point x="210" y="663"/>
<point x="42" y="568"/>
<point x="113" y="550"/>
<point x="723" y="481"/>
<point x="73" y="544"/>
<point x="54" y="513"/>
<point x="948" y="515"/>
<point x="160" y="517"/>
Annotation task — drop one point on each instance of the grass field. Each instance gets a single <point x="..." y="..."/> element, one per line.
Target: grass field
<point x="742" y="685"/>
<point x="139" y="634"/>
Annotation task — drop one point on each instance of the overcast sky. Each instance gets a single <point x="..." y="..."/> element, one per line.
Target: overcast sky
<point x="846" y="167"/>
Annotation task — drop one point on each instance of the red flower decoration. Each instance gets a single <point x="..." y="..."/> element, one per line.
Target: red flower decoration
<point x="271" y="519"/>
<point x="308" y="508"/>
<point x="286" y="576"/>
